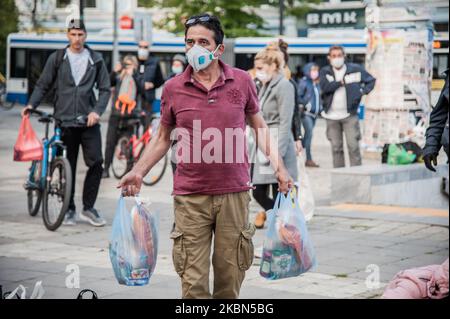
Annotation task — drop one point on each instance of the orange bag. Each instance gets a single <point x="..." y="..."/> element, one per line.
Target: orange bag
<point x="28" y="147"/>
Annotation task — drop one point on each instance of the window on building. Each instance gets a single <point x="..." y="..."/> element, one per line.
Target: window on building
<point x="63" y="3"/>
<point x="441" y="27"/>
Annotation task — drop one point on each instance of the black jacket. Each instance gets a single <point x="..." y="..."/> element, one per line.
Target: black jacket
<point x="71" y="100"/>
<point x="437" y="132"/>
<point x="361" y="84"/>
<point x="150" y="71"/>
<point x="296" y="118"/>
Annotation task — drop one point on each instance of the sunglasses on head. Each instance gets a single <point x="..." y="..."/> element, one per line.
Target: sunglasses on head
<point x="199" y="19"/>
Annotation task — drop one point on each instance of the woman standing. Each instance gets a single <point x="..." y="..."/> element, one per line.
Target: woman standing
<point x="277" y="97"/>
<point x="309" y="97"/>
<point x="126" y="82"/>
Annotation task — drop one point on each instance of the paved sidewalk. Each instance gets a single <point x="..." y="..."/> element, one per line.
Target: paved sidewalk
<point x="349" y="239"/>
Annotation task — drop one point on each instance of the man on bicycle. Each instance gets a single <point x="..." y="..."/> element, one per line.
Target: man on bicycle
<point x="76" y="71"/>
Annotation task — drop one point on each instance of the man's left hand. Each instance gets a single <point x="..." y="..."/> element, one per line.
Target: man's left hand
<point x="285" y="182"/>
<point x="93" y="118"/>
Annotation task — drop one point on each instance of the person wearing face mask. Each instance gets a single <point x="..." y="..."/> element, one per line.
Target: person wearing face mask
<point x="311" y="101"/>
<point x="277" y="102"/>
<point x="151" y="78"/>
<point x="343" y="84"/>
<point x="124" y="80"/>
<point x="178" y="65"/>
<point x="212" y="180"/>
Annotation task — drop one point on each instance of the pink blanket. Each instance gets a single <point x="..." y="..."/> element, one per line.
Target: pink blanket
<point x="419" y="283"/>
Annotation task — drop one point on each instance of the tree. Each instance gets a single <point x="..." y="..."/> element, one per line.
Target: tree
<point x="237" y="17"/>
<point x="9" y="18"/>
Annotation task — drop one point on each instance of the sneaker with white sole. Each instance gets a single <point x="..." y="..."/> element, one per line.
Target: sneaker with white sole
<point x="92" y="216"/>
<point x="71" y="218"/>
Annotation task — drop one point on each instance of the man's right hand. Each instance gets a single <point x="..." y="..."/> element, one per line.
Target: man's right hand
<point x="429" y="160"/>
<point x="131" y="183"/>
<point x="25" y="110"/>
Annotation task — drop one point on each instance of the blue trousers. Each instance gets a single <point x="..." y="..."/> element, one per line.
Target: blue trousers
<point x="308" y="123"/>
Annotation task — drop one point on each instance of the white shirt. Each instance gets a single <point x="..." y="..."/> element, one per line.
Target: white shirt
<point x="338" y="108"/>
<point x="78" y="63"/>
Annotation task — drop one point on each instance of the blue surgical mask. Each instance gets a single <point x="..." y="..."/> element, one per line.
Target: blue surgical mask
<point x="200" y="58"/>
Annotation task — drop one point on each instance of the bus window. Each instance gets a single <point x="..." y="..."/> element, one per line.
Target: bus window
<point x="18" y="63"/>
<point x="37" y="60"/>
<point x="244" y="61"/>
<point x="107" y="57"/>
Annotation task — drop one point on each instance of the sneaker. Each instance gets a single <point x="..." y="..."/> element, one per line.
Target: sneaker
<point x="71" y="218"/>
<point x="260" y="219"/>
<point x="311" y="163"/>
<point x="93" y="217"/>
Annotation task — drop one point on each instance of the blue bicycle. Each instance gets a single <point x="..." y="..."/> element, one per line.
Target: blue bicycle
<point x="50" y="179"/>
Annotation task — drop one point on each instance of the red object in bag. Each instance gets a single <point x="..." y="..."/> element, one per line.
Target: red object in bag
<point x="28" y="147"/>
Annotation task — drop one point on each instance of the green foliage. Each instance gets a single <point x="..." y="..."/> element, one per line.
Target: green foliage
<point x="9" y="21"/>
<point x="237" y="20"/>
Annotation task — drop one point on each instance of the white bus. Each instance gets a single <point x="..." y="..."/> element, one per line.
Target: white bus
<point x="27" y="54"/>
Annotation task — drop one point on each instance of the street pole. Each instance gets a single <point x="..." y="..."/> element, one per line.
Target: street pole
<point x="115" y="57"/>
<point x="281" y="5"/>
<point x="82" y="10"/>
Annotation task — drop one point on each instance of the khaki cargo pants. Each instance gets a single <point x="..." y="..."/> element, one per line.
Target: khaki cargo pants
<point x="197" y="219"/>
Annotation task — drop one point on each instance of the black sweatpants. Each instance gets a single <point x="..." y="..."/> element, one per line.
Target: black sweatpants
<point x="112" y="136"/>
<point x="261" y="195"/>
<point x="90" y="140"/>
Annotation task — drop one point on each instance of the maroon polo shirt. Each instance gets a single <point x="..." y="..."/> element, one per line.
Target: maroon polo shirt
<point x="210" y="128"/>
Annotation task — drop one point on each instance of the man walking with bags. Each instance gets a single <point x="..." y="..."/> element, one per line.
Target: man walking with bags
<point x="211" y="198"/>
<point x="76" y="71"/>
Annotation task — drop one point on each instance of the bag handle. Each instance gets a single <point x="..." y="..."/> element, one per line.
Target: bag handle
<point x="82" y="292"/>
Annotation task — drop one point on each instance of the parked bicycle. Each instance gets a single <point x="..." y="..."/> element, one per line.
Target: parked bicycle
<point x="50" y="180"/>
<point x="129" y="150"/>
<point x="3" y="103"/>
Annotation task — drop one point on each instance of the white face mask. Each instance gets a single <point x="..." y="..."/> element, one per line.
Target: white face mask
<point x="143" y="54"/>
<point x="262" y="76"/>
<point x="337" y="62"/>
<point x="177" y="69"/>
<point x="200" y="58"/>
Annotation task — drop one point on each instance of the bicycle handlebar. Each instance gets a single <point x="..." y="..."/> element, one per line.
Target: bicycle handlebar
<point x="40" y="113"/>
<point x="80" y="120"/>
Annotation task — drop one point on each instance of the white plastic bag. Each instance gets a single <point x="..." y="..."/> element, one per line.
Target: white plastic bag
<point x="305" y="195"/>
<point x="38" y="292"/>
<point x="133" y="245"/>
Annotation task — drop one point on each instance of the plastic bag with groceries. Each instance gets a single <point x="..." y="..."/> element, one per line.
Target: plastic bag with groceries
<point x="133" y="246"/>
<point x="287" y="249"/>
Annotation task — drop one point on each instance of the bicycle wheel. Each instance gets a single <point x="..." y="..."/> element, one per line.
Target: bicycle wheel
<point x="157" y="172"/>
<point x="121" y="160"/>
<point x="34" y="192"/>
<point x="56" y="195"/>
<point x="7" y="105"/>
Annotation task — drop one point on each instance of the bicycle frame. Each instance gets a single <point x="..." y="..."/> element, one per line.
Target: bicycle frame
<point x="142" y="141"/>
<point x="50" y="148"/>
